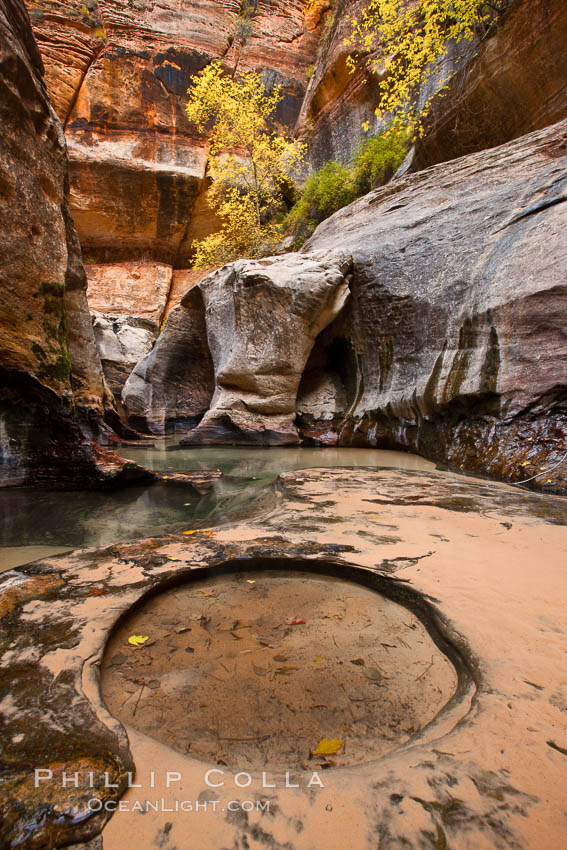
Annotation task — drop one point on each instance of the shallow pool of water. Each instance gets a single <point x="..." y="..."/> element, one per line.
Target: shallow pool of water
<point x="253" y="669"/>
<point x="39" y="523"/>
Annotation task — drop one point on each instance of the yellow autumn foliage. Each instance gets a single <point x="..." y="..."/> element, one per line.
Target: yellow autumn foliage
<point x="250" y="162"/>
<point x="411" y="36"/>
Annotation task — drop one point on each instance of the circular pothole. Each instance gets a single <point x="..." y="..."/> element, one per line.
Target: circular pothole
<point x="253" y="670"/>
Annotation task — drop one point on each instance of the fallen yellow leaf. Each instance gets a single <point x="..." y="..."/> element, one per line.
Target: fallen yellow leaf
<point x="200" y="531"/>
<point x="138" y="640"/>
<point x="318" y="658"/>
<point x="328" y="747"/>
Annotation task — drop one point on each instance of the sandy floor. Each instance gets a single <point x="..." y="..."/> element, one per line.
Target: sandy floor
<point x="493" y="559"/>
<point x="16" y="556"/>
<point x="359" y="669"/>
<point x="487" y="563"/>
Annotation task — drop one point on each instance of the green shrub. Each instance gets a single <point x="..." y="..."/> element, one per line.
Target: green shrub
<point x="334" y="185"/>
<point x="325" y="192"/>
<point x="377" y="159"/>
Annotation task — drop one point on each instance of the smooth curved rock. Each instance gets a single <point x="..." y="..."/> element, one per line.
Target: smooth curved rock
<point x="262" y="319"/>
<point x="122" y="341"/>
<point x="454" y="339"/>
<point x="173" y="385"/>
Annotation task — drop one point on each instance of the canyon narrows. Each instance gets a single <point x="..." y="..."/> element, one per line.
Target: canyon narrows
<point x="282" y="532"/>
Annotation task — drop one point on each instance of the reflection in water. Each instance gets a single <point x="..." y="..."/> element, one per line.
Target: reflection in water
<point x="266" y="464"/>
<point x="36" y="523"/>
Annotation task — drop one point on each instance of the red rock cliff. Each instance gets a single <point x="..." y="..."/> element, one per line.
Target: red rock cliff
<point x="118" y="72"/>
<point x="52" y="393"/>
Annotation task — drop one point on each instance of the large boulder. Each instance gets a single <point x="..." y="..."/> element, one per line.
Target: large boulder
<point x="262" y="319"/>
<point x="172" y="386"/>
<point x="453" y="343"/>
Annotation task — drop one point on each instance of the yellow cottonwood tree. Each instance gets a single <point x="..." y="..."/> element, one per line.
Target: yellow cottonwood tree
<point x="412" y="35"/>
<point x="249" y="162"/>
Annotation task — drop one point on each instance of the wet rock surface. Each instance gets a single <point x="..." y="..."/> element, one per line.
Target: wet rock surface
<point x="473" y="575"/>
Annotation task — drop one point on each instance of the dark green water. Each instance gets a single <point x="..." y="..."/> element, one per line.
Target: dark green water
<point x="36" y="523"/>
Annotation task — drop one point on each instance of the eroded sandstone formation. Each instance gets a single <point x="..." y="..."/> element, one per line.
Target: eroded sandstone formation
<point x="129" y="303"/>
<point x="173" y="385"/>
<point x="53" y="391"/>
<point x="453" y="342"/>
<point x="122" y="341"/>
<point x="262" y="318"/>
<point x="516" y="83"/>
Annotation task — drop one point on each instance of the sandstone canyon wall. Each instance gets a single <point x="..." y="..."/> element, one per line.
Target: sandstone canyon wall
<point x="118" y="73"/>
<point x="453" y="343"/>
<point x="53" y="396"/>
<point x="503" y="85"/>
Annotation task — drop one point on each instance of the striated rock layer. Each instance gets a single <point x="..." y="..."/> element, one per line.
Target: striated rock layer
<point x="137" y="289"/>
<point x="118" y="72"/>
<point x="52" y="396"/>
<point x="453" y="342"/>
